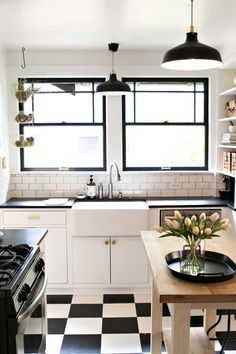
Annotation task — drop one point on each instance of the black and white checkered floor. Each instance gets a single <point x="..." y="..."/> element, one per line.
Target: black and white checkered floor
<point x="111" y="324"/>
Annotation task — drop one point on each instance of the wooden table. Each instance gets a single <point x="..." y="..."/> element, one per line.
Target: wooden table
<point x="182" y="296"/>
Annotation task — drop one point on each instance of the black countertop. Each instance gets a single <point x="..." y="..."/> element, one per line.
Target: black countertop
<point x="34" y="203"/>
<point x="186" y="202"/>
<point x="151" y="202"/>
<point x="17" y="236"/>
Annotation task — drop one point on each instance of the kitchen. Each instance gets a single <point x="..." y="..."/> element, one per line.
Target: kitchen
<point x="145" y="31"/>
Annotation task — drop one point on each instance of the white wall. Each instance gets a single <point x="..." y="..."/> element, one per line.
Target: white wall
<point x="4" y="134"/>
<point x="98" y="63"/>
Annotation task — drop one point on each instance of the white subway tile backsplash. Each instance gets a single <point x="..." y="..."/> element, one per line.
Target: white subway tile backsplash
<point x="188" y="186"/>
<point x="18" y="194"/>
<point x="167" y="193"/>
<point x="27" y="179"/>
<point x="147" y="186"/>
<point x="184" y="178"/>
<point x="181" y="193"/>
<point x="68" y="180"/>
<point x="167" y="178"/>
<point x="208" y="192"/>
<point x="175" y="185"/>
<point x="195" y="178"/>
<point x="154" y="193"/>
<point x="202" y="185"/>
<point x="43" y="180"/>
<point x="62" y="186"/>
<point x="140" y="178"/>
<point x="29" y="194"/>
<point x="56" y="179"/>
<point x="49" y="187"/>
<point x="154" y="178"/>
<point x="127" y="179"/>
<point x="139" y="185"/>
<point x="16" y="179"/>
<point x="22" y="186"/>
<point x="195" y="192"/>
<point x="43" y="194"/>
<point x="161" y="186"/>
<point x="36" y="186"/>
<point x="208" y="178"/>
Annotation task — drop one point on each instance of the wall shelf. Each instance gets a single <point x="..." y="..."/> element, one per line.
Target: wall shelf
<point x="226" y="173"/>
<point x="224" y="146"/>
<point x="227" y="119"/>
<point x="229" y="92"/>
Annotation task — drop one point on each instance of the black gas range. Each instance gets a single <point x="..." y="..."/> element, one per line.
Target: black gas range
<point x="22" y="299"/>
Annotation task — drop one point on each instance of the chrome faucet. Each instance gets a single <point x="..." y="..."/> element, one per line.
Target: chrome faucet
<point x="110" y="185"/>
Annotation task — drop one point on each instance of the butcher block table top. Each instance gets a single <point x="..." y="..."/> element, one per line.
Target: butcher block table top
<point x="172" y="289"/>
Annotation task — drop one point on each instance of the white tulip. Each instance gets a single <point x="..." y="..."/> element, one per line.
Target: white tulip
<point x="177" y="214"/>
<point x="158" y="228"/>
<point x="214" y="217"/>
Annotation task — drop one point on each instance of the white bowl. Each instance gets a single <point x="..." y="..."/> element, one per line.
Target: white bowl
<point x="232" y="128"/>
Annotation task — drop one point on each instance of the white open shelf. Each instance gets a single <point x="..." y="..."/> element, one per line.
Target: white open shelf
<point x="227" y="119"/>
<point x="224" y="146"/>
<point x="229" y="92"/>
<point x="226" y="173"/>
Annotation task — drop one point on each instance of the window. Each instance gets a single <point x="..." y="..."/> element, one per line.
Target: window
<point x="165" y="124"/>
<point x="68" y="128"/>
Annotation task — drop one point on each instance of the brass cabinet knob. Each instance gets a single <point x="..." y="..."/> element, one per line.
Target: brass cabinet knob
<point x="106" y="242"/>
<point x="113" y="242"/>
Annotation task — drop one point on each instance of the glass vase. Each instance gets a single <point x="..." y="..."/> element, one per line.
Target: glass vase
<point x="192" y="259"/>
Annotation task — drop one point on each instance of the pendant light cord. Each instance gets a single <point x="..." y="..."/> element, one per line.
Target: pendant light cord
<point x="112" y="63"/>
<point x="191" y="25"/>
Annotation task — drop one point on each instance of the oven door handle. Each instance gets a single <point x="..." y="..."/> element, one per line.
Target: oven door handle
<point x="35" y="303"/>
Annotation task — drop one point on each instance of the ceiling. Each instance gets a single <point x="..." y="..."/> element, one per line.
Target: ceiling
<point x="135" y="24"/>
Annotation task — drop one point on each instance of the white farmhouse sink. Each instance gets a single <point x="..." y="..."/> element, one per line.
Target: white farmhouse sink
<point x="111" y="205"/>
<point x="109" y="218"/>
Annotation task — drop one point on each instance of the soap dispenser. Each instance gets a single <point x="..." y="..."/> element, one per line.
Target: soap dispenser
<point x="91" y="188"/>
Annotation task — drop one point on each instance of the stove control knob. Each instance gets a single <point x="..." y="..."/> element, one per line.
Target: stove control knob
<point x="39" y="265"/>
<point x="22" y="295"/>
<point x="26" y="288"/>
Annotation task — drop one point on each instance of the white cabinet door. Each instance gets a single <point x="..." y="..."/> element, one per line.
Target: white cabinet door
<point x="91" y="260"/>
<point x="129" y="263"/>
<point x="56" y="255"/>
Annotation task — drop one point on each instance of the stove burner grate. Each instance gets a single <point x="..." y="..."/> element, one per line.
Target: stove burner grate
<point x="11" y="259"/>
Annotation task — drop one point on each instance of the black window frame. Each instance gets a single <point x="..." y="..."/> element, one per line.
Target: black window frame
<point x="205" y="122"/>
<point x="103" y="123"/>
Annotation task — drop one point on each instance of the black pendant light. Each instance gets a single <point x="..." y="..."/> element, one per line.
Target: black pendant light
<point x="192" y="55"/>
<point x="113" y="87"/>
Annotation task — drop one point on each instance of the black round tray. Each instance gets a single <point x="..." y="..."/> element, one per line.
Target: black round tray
<point x="218" y="267"/>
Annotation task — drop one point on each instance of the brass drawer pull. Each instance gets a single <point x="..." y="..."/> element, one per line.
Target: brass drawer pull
<point x="106" y="242"/>
<point x="113" y="242"/>
<point x="34" y="217"/>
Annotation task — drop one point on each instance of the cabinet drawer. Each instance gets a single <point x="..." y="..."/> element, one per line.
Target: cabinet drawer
<point x="31" y="218"/>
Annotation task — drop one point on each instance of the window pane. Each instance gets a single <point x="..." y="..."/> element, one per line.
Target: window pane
<point x="199" y="86"/>
<point x="164" y="86"/>
<point x="98" y="109"/>
<point x="165" y="146"/>
<point x="164" y="107"/>
<point x="72" y="147"/>
<point x="63" y="107"/>
<point x="199" y="107"/>
<point x="129" y="108"/>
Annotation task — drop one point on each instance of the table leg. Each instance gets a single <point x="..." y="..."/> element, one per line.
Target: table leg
<point x="209" y="320"/>
<point x="180" y="329"/>
<point x="156" y="330"/>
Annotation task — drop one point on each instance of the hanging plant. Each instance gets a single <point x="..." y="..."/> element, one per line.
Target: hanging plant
<point x="24" y="118"/>
<point x="23" y="142"/>
<point x="23" y="94"/>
